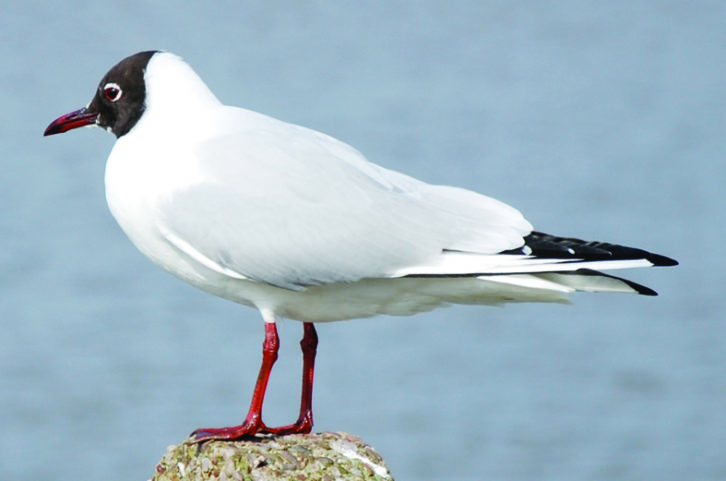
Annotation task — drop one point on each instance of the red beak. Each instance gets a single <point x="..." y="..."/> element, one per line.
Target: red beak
<point x="72" y="120"/>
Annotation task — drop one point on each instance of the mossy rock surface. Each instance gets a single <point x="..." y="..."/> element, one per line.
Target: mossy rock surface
<point x="298" y="457"/>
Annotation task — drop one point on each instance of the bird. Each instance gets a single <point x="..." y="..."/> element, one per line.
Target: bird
<point x="300" y="225"/>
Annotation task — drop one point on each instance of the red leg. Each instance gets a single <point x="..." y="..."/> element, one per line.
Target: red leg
<point x="304" y="423"/>
<point x="253" y="423"/>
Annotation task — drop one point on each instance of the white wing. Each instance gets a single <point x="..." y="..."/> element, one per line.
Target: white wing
<point x="291" y="207"/>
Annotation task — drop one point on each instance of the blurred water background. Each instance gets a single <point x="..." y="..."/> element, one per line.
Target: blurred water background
<point x="603" y="120"/>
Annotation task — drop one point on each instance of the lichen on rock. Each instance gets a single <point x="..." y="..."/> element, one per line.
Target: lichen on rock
<point x="298" y="457"/>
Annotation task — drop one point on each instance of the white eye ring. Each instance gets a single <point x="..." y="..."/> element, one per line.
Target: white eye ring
<point x="112" y="91"/>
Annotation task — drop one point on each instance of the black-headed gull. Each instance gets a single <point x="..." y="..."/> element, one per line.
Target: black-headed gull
<point x="300" y="225"/>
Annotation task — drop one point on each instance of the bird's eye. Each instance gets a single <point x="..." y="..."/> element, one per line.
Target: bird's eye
<point x="112" y="91"/>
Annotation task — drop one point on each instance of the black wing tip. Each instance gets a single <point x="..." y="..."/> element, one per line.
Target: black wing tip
<point x="662" y="261"/>
<point x="544" y="245"/>
<point x="638" y="288"/>
<point x="641" y="289"/>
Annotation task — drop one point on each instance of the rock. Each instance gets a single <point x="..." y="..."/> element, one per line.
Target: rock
<point x="297" y="457"/>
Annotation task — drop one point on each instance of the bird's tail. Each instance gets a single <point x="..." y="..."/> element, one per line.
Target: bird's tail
<point x="550" y="263"/>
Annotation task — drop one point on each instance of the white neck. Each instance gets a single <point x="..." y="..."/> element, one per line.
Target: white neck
<point x="172" y="87"/>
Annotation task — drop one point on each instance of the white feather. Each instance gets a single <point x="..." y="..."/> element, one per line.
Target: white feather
<point x="301" y="225"/>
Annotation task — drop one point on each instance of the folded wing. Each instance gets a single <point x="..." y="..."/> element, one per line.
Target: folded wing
<point x="291" y="207"/>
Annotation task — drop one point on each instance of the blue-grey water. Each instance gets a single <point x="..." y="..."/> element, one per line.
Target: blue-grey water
<point x="604" y="120"/>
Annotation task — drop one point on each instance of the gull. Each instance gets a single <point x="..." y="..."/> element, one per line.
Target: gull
<point x="300" y="225"/>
